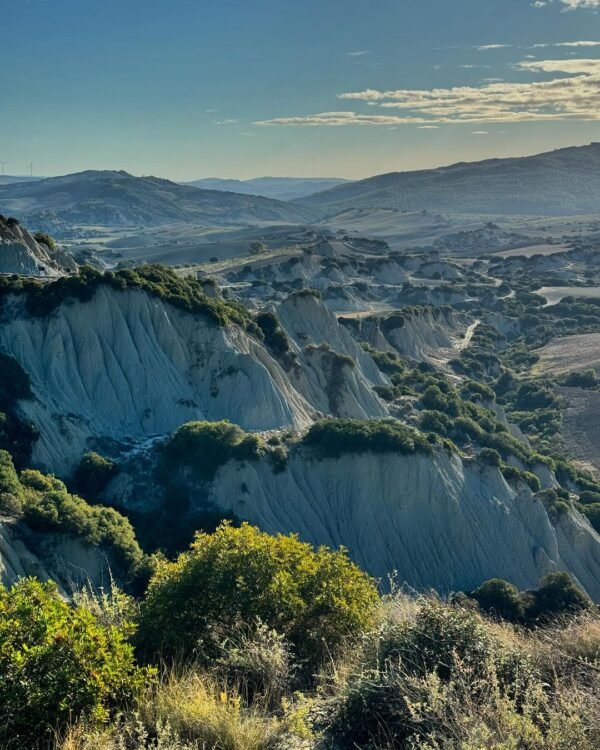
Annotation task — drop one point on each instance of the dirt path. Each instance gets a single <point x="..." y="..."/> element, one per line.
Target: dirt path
<point x="466" y="339"/>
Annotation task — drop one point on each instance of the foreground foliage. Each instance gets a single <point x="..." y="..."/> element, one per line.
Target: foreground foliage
<point x="315" y="598"/>
<point x="58" y="664"/>
<point x="256" y="619"/>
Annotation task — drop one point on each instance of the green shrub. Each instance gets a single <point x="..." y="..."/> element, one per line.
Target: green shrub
<point x="93" y="474"/>
<point x="315" y="598"/>
<point x="203" y="447"/>
<point x="58" y="664"/>
<point x="14" y="382"/>
<point x="332" y="438"/>
<point x="47" y="506"/>
<point x="275" y="337"/>
<point x="490" y="457"/>
<point x="585" y="379"/>
<point x="412" y="663"/>
<point x="500" y="598"/>
<point x="11" y="492"/>
<point x="44" y="239"/>
<point x="513" y="474"/>
<point x="558" y="595"/>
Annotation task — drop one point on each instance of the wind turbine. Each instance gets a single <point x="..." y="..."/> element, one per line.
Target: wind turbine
<point x="3" y="164"/>
<point x="31" y="168"/>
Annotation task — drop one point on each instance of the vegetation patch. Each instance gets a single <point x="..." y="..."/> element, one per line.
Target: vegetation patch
<point x="332" y="438"/>
<point x="203" y="447"/>
<point x="185" y="294"/>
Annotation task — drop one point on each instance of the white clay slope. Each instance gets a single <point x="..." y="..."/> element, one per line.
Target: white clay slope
<point x="125" y="365"/>
<point x="439" y="522"/>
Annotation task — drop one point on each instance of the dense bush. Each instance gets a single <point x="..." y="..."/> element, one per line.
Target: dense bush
<point x="11" y="492"/>
<point x="275" y="337"/>
<point x="58" y="664"/>
<point x="93" y="474"/>
<point x="500" y="598"/>
<point x="558" y="595"/>
<point x="315" y="598"/>
<point x="202" y="447"/>
<point x="332" y="438"/>
<point x="45" y="239"/>
<point x="585" y="379"/>
<point x="388" y="699"/>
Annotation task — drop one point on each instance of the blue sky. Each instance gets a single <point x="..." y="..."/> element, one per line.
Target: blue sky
<point x="243" y="88"/>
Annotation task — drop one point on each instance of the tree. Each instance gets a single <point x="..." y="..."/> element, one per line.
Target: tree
<point x="314" y="597"/>
<point x="256" y="248"/>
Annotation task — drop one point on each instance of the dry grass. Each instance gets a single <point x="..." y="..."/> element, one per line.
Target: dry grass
<point x="494" y="686"/>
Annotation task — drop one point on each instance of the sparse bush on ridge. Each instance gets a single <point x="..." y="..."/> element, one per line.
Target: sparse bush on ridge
<point x="203" y="447"/>
<point x="186" y="293"/>
<point x="332" y="438"/>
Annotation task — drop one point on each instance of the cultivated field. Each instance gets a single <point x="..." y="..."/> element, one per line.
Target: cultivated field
<point x="554" y="294"/>
<point x="569" y="354"/>
<point x="581" y="426"/>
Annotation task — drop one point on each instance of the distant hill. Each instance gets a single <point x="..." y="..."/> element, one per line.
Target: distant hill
<point x="280" y="188"/>
<point x="561" y="182"/>
<point x="9" y="179"/>
<point x="109" y="198"/>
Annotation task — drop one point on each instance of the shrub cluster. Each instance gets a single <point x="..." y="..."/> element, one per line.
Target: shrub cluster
<point x="203" y="447"/>
<point x="44" y="503"/>
<point x="332" y="438"/>
<point x="315" y="598"/>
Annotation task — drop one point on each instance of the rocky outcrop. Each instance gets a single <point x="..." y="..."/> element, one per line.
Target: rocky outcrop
<point x="21" y="254"/>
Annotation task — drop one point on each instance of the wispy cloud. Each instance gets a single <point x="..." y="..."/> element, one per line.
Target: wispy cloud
<point x="567" y="44"/>
<point x="226" y="121"/>
<point x="359" y="53"/>
<point x="569" y="4"/>
<point x="574" y="95"/>
<point x="484" y="47"/>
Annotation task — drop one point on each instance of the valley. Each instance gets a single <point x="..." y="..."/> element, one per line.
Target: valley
<point x="419" y="389"/>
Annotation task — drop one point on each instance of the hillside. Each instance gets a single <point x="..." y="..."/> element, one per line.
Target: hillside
<point x="280" y="188"/>
<point x="119" y="199"/>
<point x="561" y="182"/>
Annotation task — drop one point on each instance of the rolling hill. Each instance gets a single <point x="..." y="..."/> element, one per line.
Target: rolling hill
<point x="111" y="198"/>
<point x="279" y="188"/>
<point x="561" y="182"/>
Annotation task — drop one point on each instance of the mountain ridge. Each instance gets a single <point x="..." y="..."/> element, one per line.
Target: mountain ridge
<point x="561" y="181"/>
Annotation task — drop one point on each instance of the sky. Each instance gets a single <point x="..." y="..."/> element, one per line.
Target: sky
<point x="243" y="88"/>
